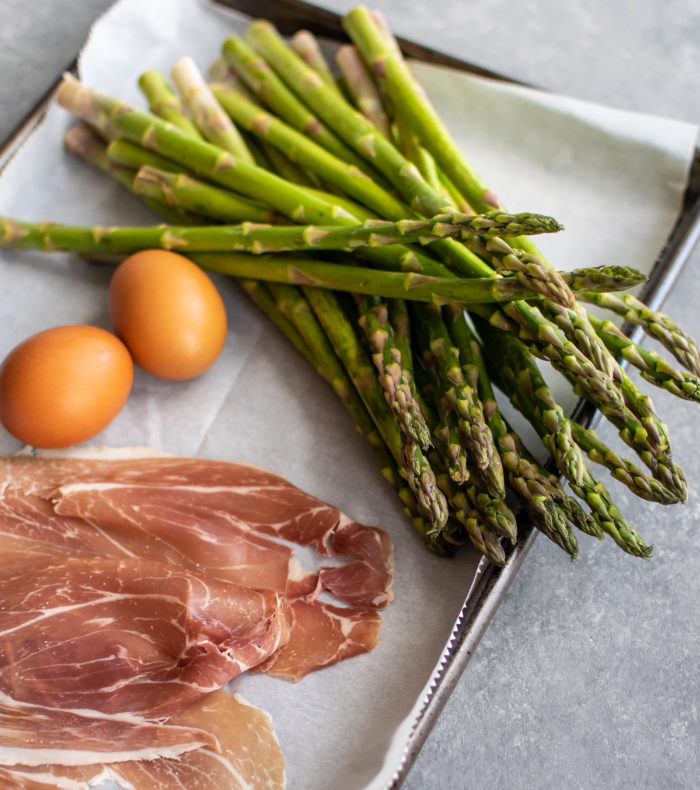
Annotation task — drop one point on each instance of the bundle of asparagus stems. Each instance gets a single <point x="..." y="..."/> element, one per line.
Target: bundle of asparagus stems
<point x="352" y="219"/>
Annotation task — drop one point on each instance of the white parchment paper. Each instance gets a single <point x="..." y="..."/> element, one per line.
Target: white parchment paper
<point x="614" y="178"/>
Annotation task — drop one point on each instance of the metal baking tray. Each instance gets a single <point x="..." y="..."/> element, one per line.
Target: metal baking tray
<point x="490" y="587"/>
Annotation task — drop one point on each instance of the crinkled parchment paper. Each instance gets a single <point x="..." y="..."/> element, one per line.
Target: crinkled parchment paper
<point x="614" y="178"/>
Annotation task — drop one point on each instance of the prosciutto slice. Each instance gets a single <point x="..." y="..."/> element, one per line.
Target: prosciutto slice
<point x="133" y="587"/>
<point x="241" y="753"/>
<point x="130" y="635"/>
<point x="322" y="634"/>
<point x="37" y="734"/>
<point x="214" y="513"/>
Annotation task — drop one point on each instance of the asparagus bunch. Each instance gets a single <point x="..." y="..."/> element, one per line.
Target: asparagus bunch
<point x="368" y="171"/>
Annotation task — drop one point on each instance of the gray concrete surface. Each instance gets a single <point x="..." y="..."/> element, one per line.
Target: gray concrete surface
<point x="588" y="677"/>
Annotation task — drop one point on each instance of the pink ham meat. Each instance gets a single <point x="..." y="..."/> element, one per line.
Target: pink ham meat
<point x="321" y="635"/>
<point x="35" y="734"/>
<point x="128" y="635"/>
<point x="190" y="504"/>
<point x="241" y="753"/>
<point x="132" y="587"/>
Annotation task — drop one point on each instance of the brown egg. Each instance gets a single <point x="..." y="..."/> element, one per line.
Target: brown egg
<point x="64" y="385"/>
<point x="168" y="313"/>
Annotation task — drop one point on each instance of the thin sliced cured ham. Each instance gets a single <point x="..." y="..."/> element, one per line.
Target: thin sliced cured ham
<point x="193" y="505"/>
<point x="242" y="754"/>
<point x="322" y="634"/>
<point x="128" y="635"/>
<point x="247" y="754"/>
<point x="133" y="587"/>
<point x="37" y="734"/>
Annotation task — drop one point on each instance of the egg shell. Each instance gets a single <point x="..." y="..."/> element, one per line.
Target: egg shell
<point x="168" y="313"/>
<point x="64" y="385"/>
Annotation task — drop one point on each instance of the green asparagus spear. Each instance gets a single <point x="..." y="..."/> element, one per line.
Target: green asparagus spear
<point x="252" y="237"/>
<point x="459" y="395"/>
<point x="443" y="427"/>
<point x="386" y="64"/>
<point x="115" y="117"/>
<point x="374" y="320"/>
<point x="654" y="323"/>
<point x="652" y="367"/>
<point x="306" y="46"/>
<point x="211" y="120"/>
<point x="557" y="437"/>
<point x="189" y="194"/>
<point x="164" y="103"/>
<point x="267" y="86"/>
<point x="363" y="89"/>
<point x="637" y="420"/>
<point x="480" y="534"/>
<point x="413" y="464"/>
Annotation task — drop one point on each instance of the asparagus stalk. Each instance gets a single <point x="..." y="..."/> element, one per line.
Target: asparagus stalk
<point x="640" y="414"/>
<point x="401" y="323"/>
<point x="374" y="320"/>
<point x="529" y="268"/>
<point x="557" y="438"/>
<point x="83" y="142"/>
<point x="603" y="278"/>
<point x="466" y="514"/>
<point x="443" y="428"/>
<point x="654" y="323"/>
<point x="621" y="469"/>
<point x="306" y="151"/>
<point x="163" y="102"/>
<point x="652" y="367"/>
<point x="363" y="89"/>
<point x="290" y="305"/>
<point x="353" y="127"/>
<point x="189" y="194"/>
<point x="130" y="155"/>
<point x="272" y="268"/>
<point x="253" y="237"/>
<point x="487" y="518"/>
<point x="591" y="491"/>
<point x="384" y="61"/>
<point x="306" y="46"/>
<point x="267" y="86"/>
<point x="414" y="466"/>
<point x="114" y="117"/>
<point x="460" y="396"/>
<point x="211" y="120"/>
